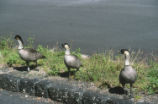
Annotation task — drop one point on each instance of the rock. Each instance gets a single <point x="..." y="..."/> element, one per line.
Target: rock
<point x="9" y="82"/>
<point x="65" y="93"/>
<point x="27" y="86"/>
<point x="90" y="97"/>
<point x="41" y="88"/>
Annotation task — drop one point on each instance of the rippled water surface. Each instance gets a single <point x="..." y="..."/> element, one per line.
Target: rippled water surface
<point x="91" y="25"/>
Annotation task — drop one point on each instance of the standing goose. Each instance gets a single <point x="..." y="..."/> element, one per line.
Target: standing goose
<point x="71" y="61"/>
<point x="27" y="54"/>
<point x="127" y="74"/>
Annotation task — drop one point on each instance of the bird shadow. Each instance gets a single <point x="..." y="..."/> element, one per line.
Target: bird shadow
<point x="24" y="68"/>
<point x="66" y="74"/>
<point x="114" y="90"/>
<point x="117" y="90"/>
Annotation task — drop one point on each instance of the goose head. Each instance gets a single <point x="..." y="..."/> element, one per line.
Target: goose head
<point x="125" y="52"/>
<point x="66" y="46"/>
<point x="20" y="41"/>
<point x="18" y="37"/>
<point x="127" y="56"/>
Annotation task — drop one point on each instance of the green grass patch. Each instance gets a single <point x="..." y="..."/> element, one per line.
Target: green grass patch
<point x="100" y="68"/>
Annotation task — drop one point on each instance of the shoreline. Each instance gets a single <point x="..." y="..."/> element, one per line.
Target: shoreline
<point x="100" y="68"/>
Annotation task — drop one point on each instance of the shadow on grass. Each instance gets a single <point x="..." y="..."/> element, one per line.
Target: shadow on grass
<point x="24" y="68"/>
<point x="66" y="74"/>
<point x="114" y="90"/>
<point x="117" y="90"/>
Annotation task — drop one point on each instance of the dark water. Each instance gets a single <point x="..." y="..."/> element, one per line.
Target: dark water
<point x="91" y="25"/>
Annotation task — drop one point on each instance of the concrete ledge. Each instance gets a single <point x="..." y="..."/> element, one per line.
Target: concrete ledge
<point x="96" y="98"/>
<point x="62" y="91"/>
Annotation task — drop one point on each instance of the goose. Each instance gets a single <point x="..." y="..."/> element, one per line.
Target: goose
<point x="27" y="54"/>
<point x="71" y="61"/>
<point x="128" y="74"/>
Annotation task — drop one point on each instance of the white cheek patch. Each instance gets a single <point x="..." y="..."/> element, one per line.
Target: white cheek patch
<point x="66" y="46"/>
<point x="126" y="53"/>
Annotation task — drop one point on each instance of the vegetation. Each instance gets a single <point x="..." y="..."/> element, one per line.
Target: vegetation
<point x="103" y="69"/>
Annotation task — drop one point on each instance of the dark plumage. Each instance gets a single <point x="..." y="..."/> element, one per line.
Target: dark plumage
<point x="128" y="75"/>
<point x="27" y="54"/>
<point x="71" y="61"/>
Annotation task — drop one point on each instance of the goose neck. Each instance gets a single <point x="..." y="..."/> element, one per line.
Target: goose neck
<point x="20" y="45"/>
<point x="127" y="60"/>
<point x="67" y="52"/>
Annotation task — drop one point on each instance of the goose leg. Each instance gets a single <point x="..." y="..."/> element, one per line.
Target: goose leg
<point x="36" y="64"/>
<point x="28" y="67"/>
<point x="131" y="93"/>
<point x="69" y="73"/>
<point x="124" y="92"/>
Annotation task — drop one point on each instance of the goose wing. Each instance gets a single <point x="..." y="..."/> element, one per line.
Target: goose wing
<point x="72" y="61"/>
<point x="30" y="54"/>
<point x="128" y="75"/>
<point x="35" y="53"/>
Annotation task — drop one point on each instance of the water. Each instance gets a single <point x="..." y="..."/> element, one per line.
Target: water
<point x="92" y="25"/>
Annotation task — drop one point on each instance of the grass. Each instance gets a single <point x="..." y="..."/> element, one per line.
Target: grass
<point x="102" y="68"/>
